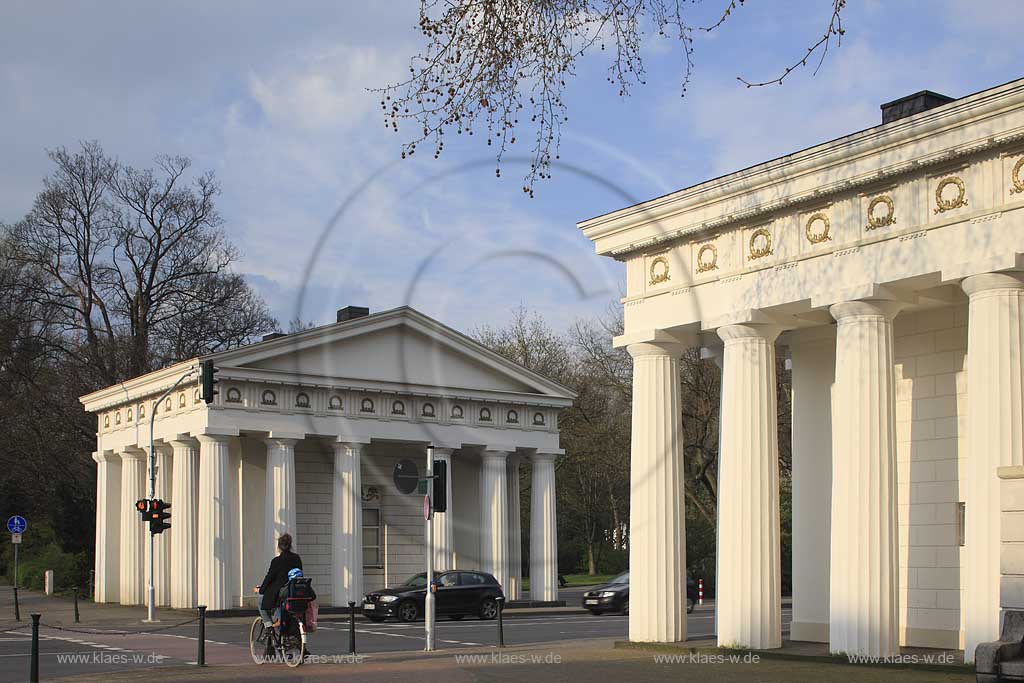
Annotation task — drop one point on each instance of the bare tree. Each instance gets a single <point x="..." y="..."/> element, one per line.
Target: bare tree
<point x="488" y="64"/>
<point x="134" y="264"/>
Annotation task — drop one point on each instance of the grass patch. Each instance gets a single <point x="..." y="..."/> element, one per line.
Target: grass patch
<point x="576" y="580"/>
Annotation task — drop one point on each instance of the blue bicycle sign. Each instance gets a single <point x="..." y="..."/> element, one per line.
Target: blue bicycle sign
<point x="16" y="524"/>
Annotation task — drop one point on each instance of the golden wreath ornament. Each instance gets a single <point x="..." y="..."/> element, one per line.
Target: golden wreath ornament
<point x="659" y="271"/>
<point x="1018" y="184"/>
<point x="817" y="237"/>
<point x="881" y="221"/>
<point x="943" y="205"/>
<point x="704" y="266"/>
<point x="765" y="247"/>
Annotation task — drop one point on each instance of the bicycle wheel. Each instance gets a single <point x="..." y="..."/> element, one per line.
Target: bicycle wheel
<point x="293" y="646"/>
<point x="258" y="635"/>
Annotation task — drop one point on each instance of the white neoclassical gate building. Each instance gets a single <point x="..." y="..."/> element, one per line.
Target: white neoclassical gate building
<point x="303" y="437"/>
<point x="888" y="265"/>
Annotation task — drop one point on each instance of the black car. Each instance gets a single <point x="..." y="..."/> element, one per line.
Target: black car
<point x="614" y="596"/>
<point x="458" y="594"/>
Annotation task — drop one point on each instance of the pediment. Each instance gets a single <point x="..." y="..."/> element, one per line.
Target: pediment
<point x="401" y="347"/>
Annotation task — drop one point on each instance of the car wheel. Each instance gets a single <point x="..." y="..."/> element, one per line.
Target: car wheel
<point x="625" y="606"/>
<point x="489" y="609"/>
<point x="456" y="617"/>
<point x="408" y="611"/>
<point x="689" y="605"/>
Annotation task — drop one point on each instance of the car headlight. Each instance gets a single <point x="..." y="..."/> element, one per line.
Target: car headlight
<point x="388" y="598"/>
<point x="606" y="594"/>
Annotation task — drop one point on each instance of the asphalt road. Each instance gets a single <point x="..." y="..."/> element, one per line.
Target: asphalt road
<point x="67" y="652"/>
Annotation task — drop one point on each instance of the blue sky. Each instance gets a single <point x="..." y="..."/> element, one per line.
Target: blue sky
<point x="272" y="97"/>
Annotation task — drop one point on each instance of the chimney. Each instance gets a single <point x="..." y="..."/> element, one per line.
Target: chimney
<point x="912" y="104"/>
<point x="352" y="312"/>
<point x="274" y="335"/>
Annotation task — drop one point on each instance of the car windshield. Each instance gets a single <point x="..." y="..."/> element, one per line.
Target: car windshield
<point x="621" y="578"/>
<point x="416" y="581"/>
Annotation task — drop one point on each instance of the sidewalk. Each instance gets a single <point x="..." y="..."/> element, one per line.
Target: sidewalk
<point x="571" y="660"/>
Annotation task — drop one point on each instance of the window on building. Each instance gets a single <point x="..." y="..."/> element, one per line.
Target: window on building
<point x="372" y="538"/>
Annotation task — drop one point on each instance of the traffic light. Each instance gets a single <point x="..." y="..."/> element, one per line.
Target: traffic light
<point x="158" y="515"/>
<point x="142" y="505"/>
<point x="207" y="380"/>
<point x="440" y="486"/>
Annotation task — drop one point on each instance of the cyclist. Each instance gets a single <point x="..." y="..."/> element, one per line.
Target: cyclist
<point x="277" y="578"/>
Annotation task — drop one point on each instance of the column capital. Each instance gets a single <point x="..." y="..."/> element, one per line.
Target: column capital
<point x="342" y="445"/>
<point x="866" y="308"/>
<point x="444" y="451"/>
<point x="281" y="441"/>
<point x="183" y="441"/>
<point x="671" y="349"/>
<point x="214" y="438"/>
<point x="495" y="455"/>
<point x="736" y="332"/>
<point x="105" y="456"/>
<point x="545" y="457"/>
<point x="132" y="453"/>
<point x="987" y="282"/>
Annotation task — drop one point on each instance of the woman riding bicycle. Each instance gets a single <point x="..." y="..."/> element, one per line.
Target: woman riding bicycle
<point x="277" y="578"/>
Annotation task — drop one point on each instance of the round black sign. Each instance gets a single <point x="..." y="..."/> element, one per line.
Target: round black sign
<point x="406" y="476"/>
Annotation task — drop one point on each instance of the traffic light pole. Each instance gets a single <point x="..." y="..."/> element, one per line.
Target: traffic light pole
<point x="429" y="601"/>
<point x="150" y="590"/>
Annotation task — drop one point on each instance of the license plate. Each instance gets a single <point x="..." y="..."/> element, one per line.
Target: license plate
<point x="591" y="602"/>
<point x="369" y="605"/>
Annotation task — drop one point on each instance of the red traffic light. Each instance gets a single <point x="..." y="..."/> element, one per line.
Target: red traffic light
<point x="158" y="516"/>
<point x="142" y="505"/>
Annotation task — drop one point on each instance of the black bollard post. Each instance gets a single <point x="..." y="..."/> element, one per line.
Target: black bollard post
<point x="76" y="605"/>
<point x="201" y="656"/>
<point x="33" y="666"/>
<point x="351" y="627"/>
<point x="17" y="610"/>
<point x="501" y="624"/>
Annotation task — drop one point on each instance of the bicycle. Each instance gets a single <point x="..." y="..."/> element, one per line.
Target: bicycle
<point x="288" y="645"/>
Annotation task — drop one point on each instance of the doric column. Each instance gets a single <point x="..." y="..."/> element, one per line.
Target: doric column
<point x="215" y="543"/>
<point x="133" y="535"/>
<point x="657" y="527"/>
<point x="543" y="532"/>
<point x="748" y="594"/>
<point x="494" y="516"/>
<point x="109" y="508"/>
<point x="995" y="438"/>
<point x="443" y="538"/>
<point x="515" y="532"/>
<point x="162" y="542"/>
<point x="347" y="521"/>
<point x="280" y="510"/>
<point x="864" y="595"/>
<point x="185" y="521"/>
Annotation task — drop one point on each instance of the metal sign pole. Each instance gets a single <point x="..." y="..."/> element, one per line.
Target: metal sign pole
<point x="428" y="513"/>
<point x="17" y="610"/>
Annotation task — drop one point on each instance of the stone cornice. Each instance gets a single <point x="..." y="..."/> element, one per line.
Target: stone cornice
<point x="879" y="141"/>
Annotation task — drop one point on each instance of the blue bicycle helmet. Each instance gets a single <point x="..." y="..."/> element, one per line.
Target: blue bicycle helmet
<point x="294" y="574"/>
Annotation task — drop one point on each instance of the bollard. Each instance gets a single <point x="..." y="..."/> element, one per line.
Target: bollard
<point x="351" y="627"/>
<point x="201" y="656"/>
<point x="700" y="591"/>
<point x="76" y="605"/>
<point x="17" y="610"/>
<point x="501" y="624"/>
<point x="33" y="666"/>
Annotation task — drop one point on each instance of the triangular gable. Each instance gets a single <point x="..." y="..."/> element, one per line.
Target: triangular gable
<point x="400" y="346"/>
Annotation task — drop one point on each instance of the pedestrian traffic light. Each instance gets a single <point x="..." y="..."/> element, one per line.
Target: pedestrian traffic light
<point x="440" y="486"/>
<point x="142" y="505"/>
<point x="158" y="515"/>
<point x="207" y="380"/>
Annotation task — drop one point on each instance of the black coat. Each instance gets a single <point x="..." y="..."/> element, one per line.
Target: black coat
<point x="277" y="577"/>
